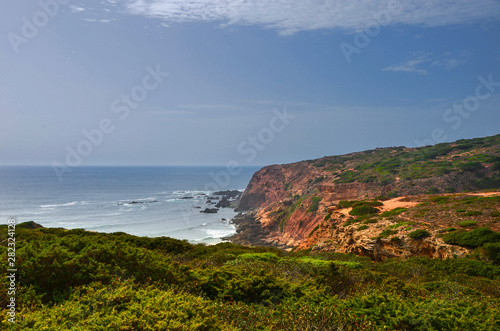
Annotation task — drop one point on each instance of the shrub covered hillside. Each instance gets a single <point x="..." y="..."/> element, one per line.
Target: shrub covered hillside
<point x="78" y="280"/>
<point x="291" y="200"/>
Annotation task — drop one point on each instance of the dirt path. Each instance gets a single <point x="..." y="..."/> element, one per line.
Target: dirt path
<point x="397" y="203"/>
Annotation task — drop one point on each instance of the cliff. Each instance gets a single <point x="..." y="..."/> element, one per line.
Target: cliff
<point x="296" y="205"/>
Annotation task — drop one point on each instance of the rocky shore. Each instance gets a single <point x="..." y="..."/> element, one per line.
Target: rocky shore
<point x="249" y="231"/>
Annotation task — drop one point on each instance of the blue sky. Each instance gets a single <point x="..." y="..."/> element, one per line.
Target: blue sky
<point x="250" y="81"/>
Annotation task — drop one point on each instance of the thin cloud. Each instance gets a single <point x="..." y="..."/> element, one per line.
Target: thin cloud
<point x="76" y="9"/>
<point x="291" y="16"/>
<point x="419" y="62"/>
<point x="449" y="63"/>
<point x="411" y="65"/>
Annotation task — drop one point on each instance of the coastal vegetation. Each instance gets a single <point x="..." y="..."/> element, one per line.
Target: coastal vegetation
<point x="385" y="166"/>
<point x="79" y="280"/>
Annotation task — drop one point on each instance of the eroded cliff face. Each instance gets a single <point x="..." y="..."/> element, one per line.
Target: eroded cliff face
<point x="365" y="240"/>
<point x="296" y="224"/>
<point x="296" y="205"/>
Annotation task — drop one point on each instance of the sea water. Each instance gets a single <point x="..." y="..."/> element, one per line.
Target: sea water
<point x="142" y="201"/>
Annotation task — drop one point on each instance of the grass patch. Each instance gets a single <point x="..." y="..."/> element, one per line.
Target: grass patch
<point x="467" y="224"/>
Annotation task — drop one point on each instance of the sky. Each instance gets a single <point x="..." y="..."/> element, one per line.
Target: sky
<point x="244" y="82"/>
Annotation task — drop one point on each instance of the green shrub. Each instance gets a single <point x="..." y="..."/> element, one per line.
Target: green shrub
<point x="432" y="190"/>
<point x="461" y="210"/>
<point x="363" y="210"/>
<point x="439" y="199"/>
<point x="327" y="217"/>
<point x="315" y="204"/>
<point x="386" y="233"/>
<point x="466" y="224"/>
<point x="313" y="230"/>
<point x="392" y="194"/>
<point x="450" y="189"/>
<point x="349" y="222"/>
<point x="473" y="213"/>
<point x="394" y="212"/>
<point x="399" y="224"/>
<point x="263" y="257"/>
<point x="474" y="238"/>
<point x="419" y="234"/>
<point x="492" y="252"/>
<point x="356" y="203"/>
<point x="318" y="179"/>
<point x="348" y="176"/>
<point x="470" y="166"/>
<point x="362" y="227"/>
<point x="370" y="221"/>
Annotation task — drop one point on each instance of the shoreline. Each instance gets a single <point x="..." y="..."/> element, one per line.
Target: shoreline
<point x="249" y="231"/>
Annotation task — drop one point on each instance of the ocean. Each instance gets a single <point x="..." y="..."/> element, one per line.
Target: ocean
<point x="142" y="201"/>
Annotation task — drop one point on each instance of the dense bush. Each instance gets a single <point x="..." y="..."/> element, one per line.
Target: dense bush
<point x="470" y="166"/>
<point x="363" y="210"/>
<point x="473" y="238"/>
<point x="492" y="252"/>
<point x="419" y="234"/>
<point x="77" y="280"/>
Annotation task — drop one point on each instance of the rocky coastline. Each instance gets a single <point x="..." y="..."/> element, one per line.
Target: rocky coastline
<point x="249" y="231"/>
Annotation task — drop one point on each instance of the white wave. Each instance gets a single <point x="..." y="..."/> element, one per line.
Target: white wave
<point x="191" y="192"/>
<point x="220" y="233"/>
<point x="60" y="205"/>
